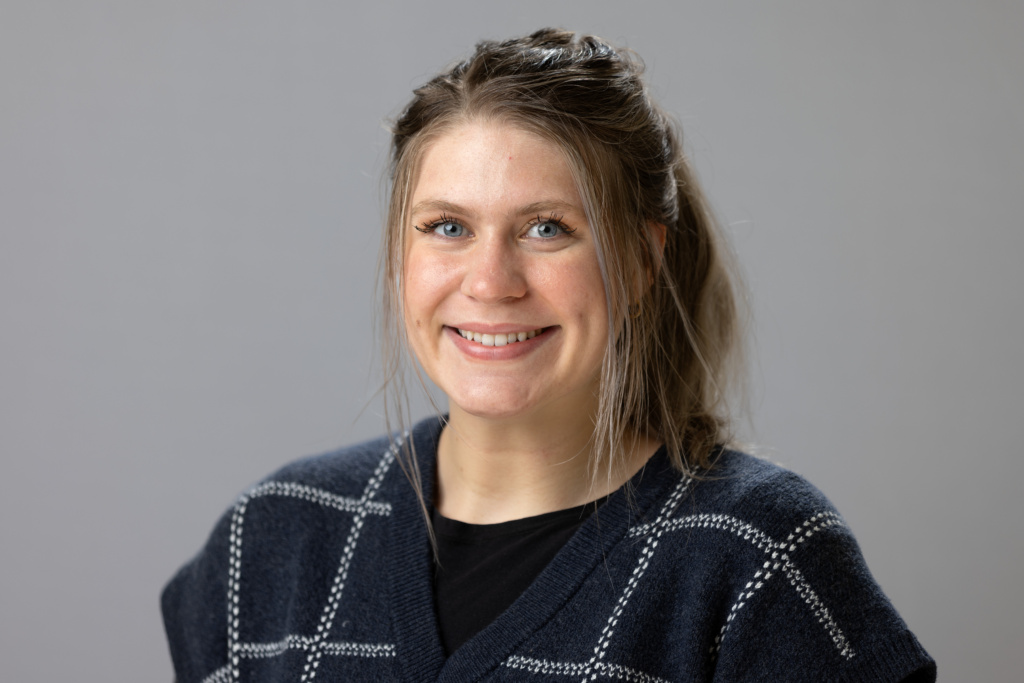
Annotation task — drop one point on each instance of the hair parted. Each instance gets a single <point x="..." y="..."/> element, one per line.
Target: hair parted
<point x="675" y="332"/>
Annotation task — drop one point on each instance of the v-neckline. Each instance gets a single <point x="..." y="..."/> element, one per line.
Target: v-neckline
<point x="414" y="619"/>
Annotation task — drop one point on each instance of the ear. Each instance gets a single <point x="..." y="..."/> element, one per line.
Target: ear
<point x="659" y="232"/>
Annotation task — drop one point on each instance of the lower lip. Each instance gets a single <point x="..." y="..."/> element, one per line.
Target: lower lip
<point x="507" y="352"/>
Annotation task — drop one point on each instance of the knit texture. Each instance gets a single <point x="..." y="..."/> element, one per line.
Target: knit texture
<point x="323" y="572"/>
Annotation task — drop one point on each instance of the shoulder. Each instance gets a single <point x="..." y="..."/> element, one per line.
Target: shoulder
<point x="278" y="529"/>
<point x="751" y="500"/>
<point x="350" y="470"/>
<point x="760" y="493"/>
<point x="345" y="471"/>
<point x="787" y="576"/>
<point x="744" y="512"/>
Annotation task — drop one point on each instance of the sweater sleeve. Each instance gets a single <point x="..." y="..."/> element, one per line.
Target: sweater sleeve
<point x="195" y="611"/>
<point x="811" y="611"/>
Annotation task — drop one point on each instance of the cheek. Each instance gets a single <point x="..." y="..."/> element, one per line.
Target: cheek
<point x="427" y="279"/>
<point x="579" y="288"/>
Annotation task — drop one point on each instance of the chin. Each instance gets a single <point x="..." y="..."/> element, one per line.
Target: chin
<point x="492" y="412"/>
<point x="496" y="405"/>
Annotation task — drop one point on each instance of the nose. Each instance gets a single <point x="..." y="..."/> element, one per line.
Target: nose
<point x="494" y="272"/>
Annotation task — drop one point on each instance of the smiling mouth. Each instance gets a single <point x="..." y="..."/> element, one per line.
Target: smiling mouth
<point x="498" y="339"/>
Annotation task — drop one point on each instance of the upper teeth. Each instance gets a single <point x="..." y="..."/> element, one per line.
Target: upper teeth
<point x="499" y="339"/>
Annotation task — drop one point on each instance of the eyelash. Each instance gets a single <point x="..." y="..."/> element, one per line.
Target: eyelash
<point x="554" y="219"/>
<point x="434" y="225"/>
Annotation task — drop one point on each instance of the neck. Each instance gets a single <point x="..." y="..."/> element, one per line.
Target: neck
<point x="496" y="470"/>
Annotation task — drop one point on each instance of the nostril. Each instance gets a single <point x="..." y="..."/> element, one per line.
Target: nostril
<point x="494" y="282"/>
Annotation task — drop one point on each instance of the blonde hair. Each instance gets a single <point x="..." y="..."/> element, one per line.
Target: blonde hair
<point x="674" y="347"/>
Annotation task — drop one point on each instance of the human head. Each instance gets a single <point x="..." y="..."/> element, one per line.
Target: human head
<point x="671" y="305"/>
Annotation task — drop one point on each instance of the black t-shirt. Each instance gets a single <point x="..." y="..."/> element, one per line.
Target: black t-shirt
<point x="483" y="568"/>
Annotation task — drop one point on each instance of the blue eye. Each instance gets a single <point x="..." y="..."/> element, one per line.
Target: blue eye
<point x="446" y="226"/>
<point x="546" y="229"/>
<point x="449" y="229"/>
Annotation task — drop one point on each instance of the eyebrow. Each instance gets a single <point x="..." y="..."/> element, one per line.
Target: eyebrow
<point x="535" y="207"/>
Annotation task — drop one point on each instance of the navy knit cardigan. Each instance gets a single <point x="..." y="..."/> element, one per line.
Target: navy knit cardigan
<point x="323" y="572"/>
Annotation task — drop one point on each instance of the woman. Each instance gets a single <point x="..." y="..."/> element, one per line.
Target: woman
<point x="552" y="264"/>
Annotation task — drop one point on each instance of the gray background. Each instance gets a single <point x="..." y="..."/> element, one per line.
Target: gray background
<point x="189" y="213"/>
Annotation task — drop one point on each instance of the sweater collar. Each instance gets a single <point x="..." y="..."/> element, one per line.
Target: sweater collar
<point x="412" y="566"/>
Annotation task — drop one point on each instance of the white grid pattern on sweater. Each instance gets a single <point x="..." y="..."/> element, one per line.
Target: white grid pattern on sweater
<point x="293" y="642"/>
<point x="778" y="559"/>
<point x="347" y="553"/>
<point x="315" y="495"/>
<point x="225" y="674"/>
<point x="315" y="645"/>
<point x="615" y="671"/>
<point x="591" y="669"/>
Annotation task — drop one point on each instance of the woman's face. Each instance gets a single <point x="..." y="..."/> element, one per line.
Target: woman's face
<point x="504" y="301"/>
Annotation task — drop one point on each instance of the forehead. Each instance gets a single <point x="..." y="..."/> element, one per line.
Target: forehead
<point x="492" y="164"/>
